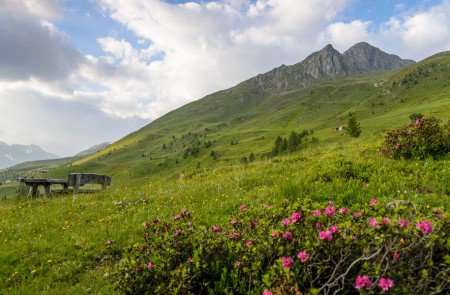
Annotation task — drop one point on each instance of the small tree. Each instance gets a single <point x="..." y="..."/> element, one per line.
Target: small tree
<point x="353" y="127"/>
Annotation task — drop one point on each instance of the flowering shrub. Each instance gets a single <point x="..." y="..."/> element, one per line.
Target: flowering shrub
<point x="419" y="139"/>
<point x="289" y="248"/>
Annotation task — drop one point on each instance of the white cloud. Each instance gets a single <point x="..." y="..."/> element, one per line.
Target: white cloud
<point x="415" y="35"/>
<point x="344" y="35"/>
<point x="47" y="9"/>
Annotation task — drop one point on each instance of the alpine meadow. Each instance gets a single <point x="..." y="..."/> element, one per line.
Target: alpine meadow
<point x="328" y="176"/>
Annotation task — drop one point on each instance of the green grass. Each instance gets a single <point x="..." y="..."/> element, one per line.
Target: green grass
<point x="72" y="233"/>
<point x="57" y="246"/>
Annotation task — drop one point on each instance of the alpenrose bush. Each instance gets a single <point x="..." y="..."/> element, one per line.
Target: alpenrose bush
<point x="421" y="138"/>
<point x="293" y="247"/>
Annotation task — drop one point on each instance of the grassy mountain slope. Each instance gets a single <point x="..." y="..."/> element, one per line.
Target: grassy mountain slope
<point x="379" y="99"/>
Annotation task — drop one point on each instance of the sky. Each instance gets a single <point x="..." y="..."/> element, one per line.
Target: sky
<point x="75" y="73"/>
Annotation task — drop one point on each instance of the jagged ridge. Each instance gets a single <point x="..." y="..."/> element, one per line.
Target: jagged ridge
<point x="328" y="62"/>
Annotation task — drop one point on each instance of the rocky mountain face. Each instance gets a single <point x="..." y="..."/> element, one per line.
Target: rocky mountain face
<point x="328" y="62"/>
<point x="11" y="155"/>
<point x="363" y="57"/>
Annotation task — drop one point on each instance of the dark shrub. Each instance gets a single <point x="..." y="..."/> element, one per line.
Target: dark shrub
<point x="419" y="139"/>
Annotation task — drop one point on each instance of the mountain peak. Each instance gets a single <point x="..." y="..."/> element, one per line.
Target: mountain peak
<point x="328" y="47"/>
<point x="328" y="62"/>
<point x="363" y="57"/>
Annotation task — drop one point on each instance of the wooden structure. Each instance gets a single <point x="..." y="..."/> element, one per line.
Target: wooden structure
<point x="74" y="179"/>
<point x="79" y="179"/>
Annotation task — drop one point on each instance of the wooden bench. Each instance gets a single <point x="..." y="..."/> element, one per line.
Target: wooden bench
<point x="79" y="179"/>
<point x="74" y="179"/>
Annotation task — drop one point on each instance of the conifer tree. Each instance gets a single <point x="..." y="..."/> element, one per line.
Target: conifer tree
<point x="353" y="127"/>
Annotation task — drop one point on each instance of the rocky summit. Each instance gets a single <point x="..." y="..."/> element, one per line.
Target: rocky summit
<point x="328" y="62"/>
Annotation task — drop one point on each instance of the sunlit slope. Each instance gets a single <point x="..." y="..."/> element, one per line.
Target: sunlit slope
<point x="253" y="119"/>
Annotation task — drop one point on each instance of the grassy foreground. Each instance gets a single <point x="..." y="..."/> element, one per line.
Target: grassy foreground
<point x="58" y="245"/>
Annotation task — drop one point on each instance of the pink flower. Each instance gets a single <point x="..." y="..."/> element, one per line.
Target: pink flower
<point x="326" y="235"/>
<point x="396" y="255"/>
<point x="363" y="282"/>
<point x="217" y="229"/>
<point x="266" y="206"/>
<point x="316" y="213"/>
<point x="242" y="207"/>
<point x="386" y="220"/>
<point x="357" y="214"/>
<point x="344" y="210"/>
<point x="178" y="232"/>
<point x="425" y="226"/>
<point x="149" y="251"/>
<point x="108" y="242"/>
<point x="437" y="210"/>
<point x="150" y="265"/>
<point x="235" y="235"/>
<point x="318" y="225"/>
<point x="249" y="243"/>
<point x="176" y="217"/>
<point x="140" y="268"/>
<point x="403" y="223"/>
<point x="267" y="292"/>
<point x="191" y="260"/>
<point x="373" y="202"/>
<point x="373" y="222"/>
<point x="232" y="221"/>
<point x="385" y="284"/>
<point x="237" y="263"/>
<point x="303" y="256"/>
<point x="334" y="229"/>
<point x="296" y="216"/>
<point x="185" y="213"/>
<point x="274" y="234"/>
<point x="288" y="262"/>
<point x="329" y="210"/>
<point x="287" y="236"/>
<point x="286" y="222"/>
<point x="145" y="224"/>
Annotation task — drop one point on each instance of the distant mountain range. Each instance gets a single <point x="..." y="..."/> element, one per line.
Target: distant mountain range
<point x="11" y="155"/>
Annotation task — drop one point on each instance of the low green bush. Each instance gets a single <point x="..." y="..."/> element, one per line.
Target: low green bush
<point x="422" y="138"/>
<point x="289" y="248"/>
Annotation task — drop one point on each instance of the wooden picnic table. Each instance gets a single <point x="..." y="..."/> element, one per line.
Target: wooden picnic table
<point x="34" y="184"/>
